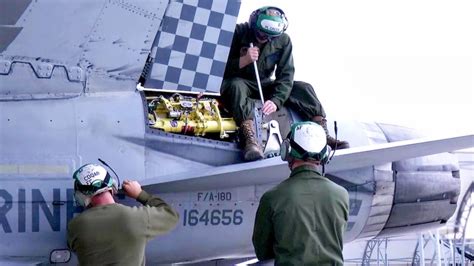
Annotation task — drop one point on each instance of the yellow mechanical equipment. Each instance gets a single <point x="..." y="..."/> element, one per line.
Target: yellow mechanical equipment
<point x="188" y="115"/>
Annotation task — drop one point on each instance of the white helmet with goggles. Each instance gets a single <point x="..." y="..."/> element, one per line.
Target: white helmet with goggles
<point x="268" y="22"/>
<point x="90" y="180"/>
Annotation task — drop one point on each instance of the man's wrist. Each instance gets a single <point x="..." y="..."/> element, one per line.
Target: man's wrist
<point x="277" y="102"/>
<point x="243" y="62"/>
<point x="143" y="197"/>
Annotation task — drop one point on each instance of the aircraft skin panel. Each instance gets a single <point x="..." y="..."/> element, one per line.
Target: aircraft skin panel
<point x="102" y="43"/>
<point x="21" y="120"/>
<point x="162" y="163"/>
<point x="186" y="147"/>
<point x="201" y="215"/>
<point x="81" y="129"/>
<point x="274" y="169"/>
<point x="437" y="185"/>
<point x="52" y="40"/>
<point x="120" y="43"/>
<point x="8" y="34"/>
<point x="42" y="143"/>
<point x="32" y="212"/>
<point x="426" y="188"/>
<point x="190" y="51"/>
<point x="40" y="81"/>
<point x="377" y="181"/>
<point x="406" y="214"/>
<point x="229" y="213"/>
<point x="11" y="13"/>
<point x="435" y="162"/>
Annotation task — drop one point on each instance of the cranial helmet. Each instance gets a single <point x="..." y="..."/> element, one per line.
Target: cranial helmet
<point x="306" y="141"/>
<point x="268" y="22"/>
<point x="90" y="180"/>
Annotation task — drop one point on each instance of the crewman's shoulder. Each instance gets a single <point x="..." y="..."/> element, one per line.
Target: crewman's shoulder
<point x="282" y="188"/>
<point x="92" y="212"/>
<point x="333" y="187"/>
<point x="242" y="27"/>
<point x="284" y="36"/>
<point x="273" y="193"/>
<point x="284" y="39"/>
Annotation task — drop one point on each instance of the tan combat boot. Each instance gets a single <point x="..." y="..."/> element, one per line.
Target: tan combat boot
<point x="332" y="142"/>
<point x="252" y="151"/>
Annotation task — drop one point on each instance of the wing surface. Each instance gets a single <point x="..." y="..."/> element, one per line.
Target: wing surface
<point x="274" y="169"/>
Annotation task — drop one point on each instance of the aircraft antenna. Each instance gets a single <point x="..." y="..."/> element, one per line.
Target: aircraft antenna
<point x="108" y="166"/>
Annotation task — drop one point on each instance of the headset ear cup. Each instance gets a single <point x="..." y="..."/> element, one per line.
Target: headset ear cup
<point x="254" y="16"/>
<point x="285" y="20"/>
<point x="285" y="150"/>
<point x="114" y="186"/>
<point x="79" y="199"/>
<point x="325" y="155"/>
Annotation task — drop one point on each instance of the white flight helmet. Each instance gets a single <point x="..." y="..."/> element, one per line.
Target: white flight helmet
<point x="90" y="180"/>
<point x="306" y="141"/>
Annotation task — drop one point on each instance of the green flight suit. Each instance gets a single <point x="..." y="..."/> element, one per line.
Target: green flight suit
<point x="116" y="234"/>
<point x="239" y="88"/>
<point x="302" y="220"/>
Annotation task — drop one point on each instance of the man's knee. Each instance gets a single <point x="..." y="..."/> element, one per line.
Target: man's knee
<point x="302" y="85"/>
<point x="235" y="90"/>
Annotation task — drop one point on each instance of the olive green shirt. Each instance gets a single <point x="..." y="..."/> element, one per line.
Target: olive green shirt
<point x="274" y="57"/>
<point x="302" y="220"/>
<point x="116" y="234"/>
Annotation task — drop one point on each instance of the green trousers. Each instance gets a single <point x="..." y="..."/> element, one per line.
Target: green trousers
<point x="239" y="97"/>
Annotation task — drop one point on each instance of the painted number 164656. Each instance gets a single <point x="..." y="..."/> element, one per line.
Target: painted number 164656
<point x="195" y="217"/>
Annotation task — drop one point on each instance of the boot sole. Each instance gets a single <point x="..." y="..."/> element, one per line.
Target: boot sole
<point x="253" y="156"/>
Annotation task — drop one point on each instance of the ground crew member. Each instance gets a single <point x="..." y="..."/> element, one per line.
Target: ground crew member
<point x="302" y="220"/>
<point x="273" y="49"/>
<point x="108" y="233"/>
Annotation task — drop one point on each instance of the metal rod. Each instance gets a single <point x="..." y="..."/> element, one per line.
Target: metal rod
<point x="421" y="246"/>
<point x="378" y="252"/>
<point x="438" y="249"/>
<point x="258" y="79"/>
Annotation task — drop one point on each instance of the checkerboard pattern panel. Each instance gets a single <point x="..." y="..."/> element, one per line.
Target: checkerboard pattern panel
<point x="192" y="45"/>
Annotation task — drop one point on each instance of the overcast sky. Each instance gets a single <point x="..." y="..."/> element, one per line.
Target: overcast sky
<point x="406" y="62"/>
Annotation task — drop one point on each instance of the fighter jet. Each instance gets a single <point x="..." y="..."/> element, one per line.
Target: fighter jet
<point x="135" y="83"/>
